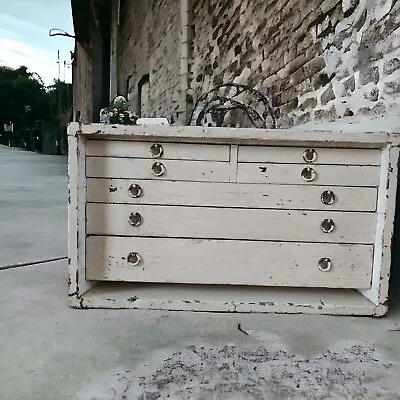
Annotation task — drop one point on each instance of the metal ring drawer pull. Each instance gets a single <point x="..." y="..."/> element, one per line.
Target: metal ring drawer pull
<point x="327" y="226"/>
<point x="158" y="169"/>
<point x="156" y="150"/>
<point x="135" y="219"/>
<point x="135" y="191"/>
<point x="134" y="259"/>
<point x="325" y="264"/>
<point x="309" y="155"/>
<point x="308" y="174"/>
<point x="328" y="197"/>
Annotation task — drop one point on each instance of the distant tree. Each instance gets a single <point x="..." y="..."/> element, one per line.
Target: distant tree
<point x="22" y="98"/>
<point x="29" y="104"/>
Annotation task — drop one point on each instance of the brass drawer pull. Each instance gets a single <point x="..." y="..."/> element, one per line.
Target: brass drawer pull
<point x="158" y="169"/>
<point x="325" y="264"/>
<point x="328" y="197"/>
<point x="310" y="155"/>
<point x="135" y="191"/>
<point x="134" y="259"/>
<point x="308" y="174"/>
<point x="135" y="219"/>
<point x="327" y="226"/>
<point x="156" y="150"/>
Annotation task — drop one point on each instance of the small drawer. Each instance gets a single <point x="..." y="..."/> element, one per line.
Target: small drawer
<point x="298" y="174"/>
<point x="230" y="223"/>
<point x="157" y="150"/>
<point x="309" y="155"/>
<point x="294" y="197"/>
<point x="109" y="167"/>
<point x="228" y="262"/>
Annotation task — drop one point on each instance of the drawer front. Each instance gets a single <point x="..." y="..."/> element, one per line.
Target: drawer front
<point x="229" y="223"/>
<point x="297" y="155"/>
<point x="297" y="174"/>
<point x="291" y="197"/>
<point x="228" y="262"/>
<point x="109" y="167"/>
<point x="171" y="151"/>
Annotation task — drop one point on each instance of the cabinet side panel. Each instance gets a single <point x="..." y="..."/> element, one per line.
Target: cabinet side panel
<point x="378" y="293"/>
<point x="76" y="214"/>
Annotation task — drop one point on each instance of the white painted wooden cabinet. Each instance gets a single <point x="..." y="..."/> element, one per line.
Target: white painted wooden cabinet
<point x="230" y="219"/>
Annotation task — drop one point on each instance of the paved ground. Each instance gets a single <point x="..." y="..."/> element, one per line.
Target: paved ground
<point x="51" y="352"/>
<point x="33" y="206"/>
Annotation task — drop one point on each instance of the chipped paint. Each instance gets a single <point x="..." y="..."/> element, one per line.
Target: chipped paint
<point x="172" y="300"/>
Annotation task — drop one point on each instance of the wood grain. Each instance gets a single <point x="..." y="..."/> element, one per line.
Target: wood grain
<point x="172" y="151"/>
<point x="228" y="223"/>
<point x="294" y="155"/>
<point x="290" y="174"/>
<point x="228" y="262"/>
<point x="108" y="167"/>
<point x="291" y="197"/>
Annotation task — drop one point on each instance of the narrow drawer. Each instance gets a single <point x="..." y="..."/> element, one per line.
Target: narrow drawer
<point x="297" y="174"/>
<point x="295" y="197"/>
<point x="228" y="262"/>
<point x="296" y="155"/>
<point x="109" y="167"/>
<point x="169" y="151"/>
<point x="229" y="223"/>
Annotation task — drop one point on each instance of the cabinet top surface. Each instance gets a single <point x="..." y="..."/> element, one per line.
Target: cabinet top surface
<point x="371" y="133"/>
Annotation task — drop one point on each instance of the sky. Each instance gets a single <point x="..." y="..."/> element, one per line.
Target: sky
<point x="25" y="40"/>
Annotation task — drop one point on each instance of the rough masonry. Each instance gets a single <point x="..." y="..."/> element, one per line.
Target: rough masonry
<point x="318" y="60"/>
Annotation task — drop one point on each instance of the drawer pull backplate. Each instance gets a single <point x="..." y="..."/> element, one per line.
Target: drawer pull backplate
<point x="310" y="155"/>
<point x="328" y="197"/>
<point x="135" y="191"/>
<point x="308" y="174"/>
<point x="158" y="169"/>
<point x="327" y="226"/>
<point x="134" y="259"/>
<point x="135" y="219"/>
<point x="325" y="264"/>
<point x="156" y="150"/>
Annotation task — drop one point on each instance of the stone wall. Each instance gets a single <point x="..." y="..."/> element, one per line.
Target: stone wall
<point x="82" y="86"/>
<point x="316" y="60"/>
<point x="149" y="44"/>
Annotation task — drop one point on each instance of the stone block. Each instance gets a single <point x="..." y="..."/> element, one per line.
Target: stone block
<point x="305" y="87"/>
<point x="314" y="66"/>
<point x="378" y="109"/>
<point x="325" y="115"/>
<point x="297" y="77"/>
<point x="392" y="88"/>
<point x="372" y="95"/>
<point x="349" y="6"/>
<point x="391" y="66"/>
<point x="369" y="75"/>
<point x="287" y="108"/>
<point x="348" y="113"/>
<point x="328" y="95"/>
<point x="349" y="85"/>
<point x="303" y="118"/>
<point x="308" y="103"/>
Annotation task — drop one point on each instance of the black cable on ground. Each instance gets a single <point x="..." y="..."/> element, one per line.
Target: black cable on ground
<point x="27" y="264"/>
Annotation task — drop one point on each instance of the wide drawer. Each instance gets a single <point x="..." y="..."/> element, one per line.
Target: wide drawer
<point x="297" y="197"/>
<point x="109" y="167"/>
<point x="296" y="155"/>
<point x="172" y="151"/>
<point x="297" y="174"/>
<point x="229" y="223"/>
<point x="228" y="262"/>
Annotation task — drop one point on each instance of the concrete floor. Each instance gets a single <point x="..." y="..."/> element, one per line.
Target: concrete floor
<point x="49" y="351"/>
<point x="33" y="206"/>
